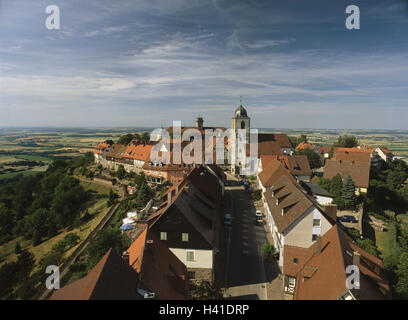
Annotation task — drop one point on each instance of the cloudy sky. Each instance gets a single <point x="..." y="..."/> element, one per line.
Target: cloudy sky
<point x="149" y="62"/>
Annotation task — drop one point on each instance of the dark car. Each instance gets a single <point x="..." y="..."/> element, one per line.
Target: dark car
<point x="347" y="219"/>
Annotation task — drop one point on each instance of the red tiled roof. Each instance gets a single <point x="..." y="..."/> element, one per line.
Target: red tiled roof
<point x="138" y="152"/>
<point x="110" y="279"/>
<point x="359" y="171"/>
<point x="352" y="154"/>
<point x="323" y="277"/>
<point x="159" y="269"/>
<point x="272" y="172"/>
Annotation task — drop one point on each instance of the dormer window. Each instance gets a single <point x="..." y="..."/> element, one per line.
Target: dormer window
<point x="283" y="212"/>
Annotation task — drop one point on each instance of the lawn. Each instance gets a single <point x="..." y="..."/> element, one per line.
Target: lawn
<point x="383" y="242"/>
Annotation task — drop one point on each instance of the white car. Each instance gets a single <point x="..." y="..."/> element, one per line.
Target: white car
<point x="258" y="213"/>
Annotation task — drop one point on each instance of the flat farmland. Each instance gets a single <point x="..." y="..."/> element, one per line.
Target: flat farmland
<point x="27" y="151"/>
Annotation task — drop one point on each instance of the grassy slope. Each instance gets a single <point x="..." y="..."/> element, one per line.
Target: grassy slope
<point x="97" y="209"/>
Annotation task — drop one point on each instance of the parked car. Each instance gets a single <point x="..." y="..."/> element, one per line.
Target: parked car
<point x="227" y="219"/>
<point x="259" y="221"/>
<point x="347" y="219"/>
<point x="258" y="213"/>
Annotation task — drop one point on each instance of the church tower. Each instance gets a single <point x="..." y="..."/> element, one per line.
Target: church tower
<point x="240" y="120"/>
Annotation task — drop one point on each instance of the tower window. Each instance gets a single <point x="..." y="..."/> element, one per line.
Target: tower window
<point x="242" y="124"/>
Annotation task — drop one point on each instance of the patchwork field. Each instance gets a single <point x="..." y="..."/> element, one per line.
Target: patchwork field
<point x="27" y="151"/>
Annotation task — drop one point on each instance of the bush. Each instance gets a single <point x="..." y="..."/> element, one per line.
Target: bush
<point x="268" y="249"/>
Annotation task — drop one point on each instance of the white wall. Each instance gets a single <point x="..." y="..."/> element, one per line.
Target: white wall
<point x="203" y="258"/>
<point x="324" y="200"/>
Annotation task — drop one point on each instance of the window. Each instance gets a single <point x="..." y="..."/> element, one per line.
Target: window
<point x="184" y="237"/>
<point x="163" y="235"/>
<point x="190" y="256"/>
<point x="316" y="222"/>
<point x="314" y="237"/>
<point x="191" y="274"/>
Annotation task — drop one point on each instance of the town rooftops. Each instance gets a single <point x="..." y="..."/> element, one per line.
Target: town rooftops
<point x="352" y="154"/>
<point x="101" y="147"/>
<point x="359" y="171"/>
<point x="286" y="202"/>
<point x="116" y="151"/>
<point x="110" y="279"/>
<point x="272" y="172"/>
<point x="298" y="165"/>
<point x="320" y="273"/>
<point x="386" y="151"/>
<point x="158" y="268"/>
<point x="138" y="152"/>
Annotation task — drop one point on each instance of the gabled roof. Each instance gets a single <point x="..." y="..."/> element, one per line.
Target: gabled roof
<point x="386" y="151"/>
<point x="110" y="279"/>
<point x="159" y="269"/>
<point x="272" y="172"/>
<point x="291" y="200"/>
<point x="322" y="275"/>
<point x="298" y="165"/>
<point x="304" y="145"/>
<point x="101" y="147"/>
<point x="116" y="151"/>
<point x="352" y="154"/>
<point x="138" y="152"/>
<point x="359" y="171"/>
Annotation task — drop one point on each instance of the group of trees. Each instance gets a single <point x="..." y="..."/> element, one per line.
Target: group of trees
<point x="396" y="261"/>
<point x="345" y="141"/>
<point x="343" y="192"/>
<point x="387" y="190"/>
<point x="140" y="138"/>
<point x="103" y="241"/>
<point x="295" y="141"/>
<point x="15" y="276"/>
<point x="313" y="157"/>
<point x="36" y="207"/>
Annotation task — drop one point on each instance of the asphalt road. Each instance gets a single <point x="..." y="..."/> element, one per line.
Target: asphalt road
<point x="245" y="273"/>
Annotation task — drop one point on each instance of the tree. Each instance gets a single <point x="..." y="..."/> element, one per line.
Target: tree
<point x="8" y="273"/>
<point x="111" y="199"/>
<point x="143" y="195"/>
<point x="336" y="185"/>
<point x="121" y="172"/>
<point x="348" y="192"/>
<point x="140" y="179"/>
<point x="25" y="263"/>
<point x="145" y="137"/>
<point x="17" y="248"/>
<point x="313" y="157"/>
<point x="125" y="140"/>
<point x="346" y="141"/>
<point x="103" y="241"/>
<point x="268" y="249"/>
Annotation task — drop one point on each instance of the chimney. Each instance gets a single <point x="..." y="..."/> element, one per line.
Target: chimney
<point x="168" y="198"/>
<point x="125" y="257"/>
<point x="319" y="245"/>
<point x="356" y="258"/>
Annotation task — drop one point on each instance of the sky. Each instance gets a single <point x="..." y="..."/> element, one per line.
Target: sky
<point x="149" y="62"/>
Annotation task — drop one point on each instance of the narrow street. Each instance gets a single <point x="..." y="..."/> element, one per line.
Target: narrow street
<point x="245" y="273"/>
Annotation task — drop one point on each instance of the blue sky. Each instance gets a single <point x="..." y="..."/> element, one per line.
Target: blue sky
<point x="147" y="63"/>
